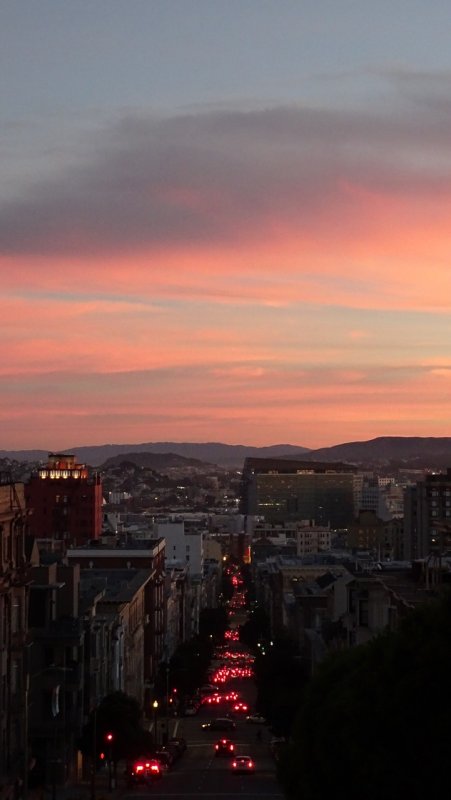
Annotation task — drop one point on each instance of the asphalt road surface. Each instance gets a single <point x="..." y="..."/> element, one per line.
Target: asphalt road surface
<point x="199" y="773"/>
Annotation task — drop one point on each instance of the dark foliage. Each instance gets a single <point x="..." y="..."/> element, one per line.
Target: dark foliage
<point x="374" y="721"/>
<point x="189" y="665"/>
<point x="255" y="629"/>
<point x="280" y="679"/>
<point x="227" y="588"/>
<point x="120" y="715"/>
<point x="213" y="623"/>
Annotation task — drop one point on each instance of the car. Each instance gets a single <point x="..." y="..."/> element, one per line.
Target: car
<point x="173" y="750"/>
<point x="191" y="709"/>
<point x="179" y="742"/>
<point x="219" y="724"/>
<point x="256" y="719"/>
<point x="240" y="708"/>
<point x="224" y="747"/>
<point x="207" y="689"/>
<point x="242" y="764"/>
<point x="143" y="770"/>
<point x="165" y="760"/>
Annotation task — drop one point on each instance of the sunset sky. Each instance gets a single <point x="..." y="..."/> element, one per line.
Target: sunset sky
<point x="224" y="220"/>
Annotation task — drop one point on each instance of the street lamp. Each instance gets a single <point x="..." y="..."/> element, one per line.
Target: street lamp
<point x="155" y="712"/>
<point x="109" y="738"/>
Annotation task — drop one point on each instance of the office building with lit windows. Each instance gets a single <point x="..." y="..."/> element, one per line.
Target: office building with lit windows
<point x="285" y="490"/>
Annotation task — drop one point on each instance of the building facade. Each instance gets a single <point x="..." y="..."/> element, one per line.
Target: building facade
<point x="427" y="516"/>
<point x="284" y="490"/>
<point x="65" y="502"/>
<point x="14" y="596"/>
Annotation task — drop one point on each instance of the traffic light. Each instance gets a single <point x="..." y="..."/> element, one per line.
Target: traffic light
<point x="109" y="738"/>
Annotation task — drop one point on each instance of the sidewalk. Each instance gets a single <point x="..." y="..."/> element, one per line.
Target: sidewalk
<point x="82" y="790"/>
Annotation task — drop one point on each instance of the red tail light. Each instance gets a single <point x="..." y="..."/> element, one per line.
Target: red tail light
<point x="155" y="768"/>
<point x="250" y="764"/>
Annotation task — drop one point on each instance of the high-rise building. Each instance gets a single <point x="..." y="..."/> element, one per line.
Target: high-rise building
<point x="427" y="516"/>
<point x="65" y="501"/>
<point x="285" y="490"/>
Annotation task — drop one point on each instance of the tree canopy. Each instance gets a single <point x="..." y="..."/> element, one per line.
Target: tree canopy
<point x="120" y="715"/>
<point x="375" y="720"/>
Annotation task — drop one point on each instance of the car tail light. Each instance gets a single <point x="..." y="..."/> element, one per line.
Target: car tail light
<point x="155" y="768"/>
<point x="250" y="764"/>
<point x="232" y="748"/>
<point x="139" y="768"/>
<point x="234" y="764"/>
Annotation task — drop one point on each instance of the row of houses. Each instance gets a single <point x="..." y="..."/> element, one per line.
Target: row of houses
<point x="331" y="601"/>
<point x="78" y="623"/>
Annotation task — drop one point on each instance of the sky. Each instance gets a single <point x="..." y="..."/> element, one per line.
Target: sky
<point x="224" y="220"/>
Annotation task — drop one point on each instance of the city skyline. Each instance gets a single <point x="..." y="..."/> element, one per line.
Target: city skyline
<point x="224" y="221"/>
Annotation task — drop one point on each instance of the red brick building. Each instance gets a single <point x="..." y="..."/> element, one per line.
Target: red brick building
<point x="64" y="501"/>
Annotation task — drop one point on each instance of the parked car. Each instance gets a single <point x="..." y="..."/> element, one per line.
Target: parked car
<point x="165" y="760"/>
<point x="191" y="708"/>
<point x="256" y="719"/>
<point x="179" y="742"/>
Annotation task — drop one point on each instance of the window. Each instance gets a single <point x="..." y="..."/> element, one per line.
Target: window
<point x="363" y="613"/>
<point x="16" y="615"/>
<point x="14" y="677"/>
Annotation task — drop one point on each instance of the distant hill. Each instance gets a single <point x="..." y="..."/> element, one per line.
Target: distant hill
<point x="155" y="461"/>
<point x="226" y="455"/>
<point x="412" y="451"/>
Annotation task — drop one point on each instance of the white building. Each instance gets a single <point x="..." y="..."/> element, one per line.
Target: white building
<point x="185" y="548"/>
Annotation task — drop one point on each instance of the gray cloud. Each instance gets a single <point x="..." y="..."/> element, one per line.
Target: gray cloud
<point x="224" y="177"/>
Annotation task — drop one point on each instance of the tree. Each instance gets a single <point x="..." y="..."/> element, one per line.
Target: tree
<point x="189" y="665"/>
<point x="280" y="679"/>
<point x="120" y="715"/>
<point x="255" y="629"/>
<point x="374" y="721"/>
<point x="213" y="623"/>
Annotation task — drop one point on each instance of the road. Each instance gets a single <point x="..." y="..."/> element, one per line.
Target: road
<point x="200" y="774"/>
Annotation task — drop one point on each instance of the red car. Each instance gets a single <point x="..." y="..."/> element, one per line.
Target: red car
<point x="240" y="708"/>
<point x="243" y="764"/>
<point x="224" y="747"/>
<point x="144" y="770"/>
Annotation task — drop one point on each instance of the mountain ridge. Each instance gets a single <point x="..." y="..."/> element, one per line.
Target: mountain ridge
<point x="411" y="450"/>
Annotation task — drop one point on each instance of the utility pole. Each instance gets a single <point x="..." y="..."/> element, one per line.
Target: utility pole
<point x="167" y="702"/>
<point x="94" y="754"/>
<point x="26" y="756"/>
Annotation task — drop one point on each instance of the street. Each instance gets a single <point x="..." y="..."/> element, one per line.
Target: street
<point x="199" y="773"/>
